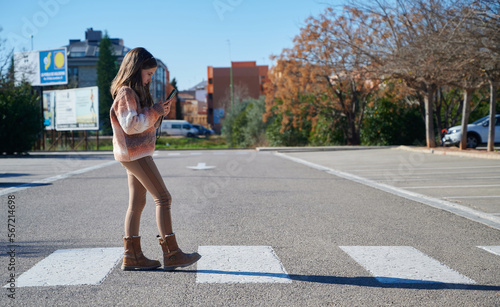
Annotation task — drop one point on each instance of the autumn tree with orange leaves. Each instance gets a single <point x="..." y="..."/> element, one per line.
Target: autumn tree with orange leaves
<point x="323" y="74"/>
<point x="341" y="62"/>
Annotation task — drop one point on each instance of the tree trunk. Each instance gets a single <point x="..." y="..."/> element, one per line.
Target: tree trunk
<point x="353" y="134"/>
<point x="491" y="131"/>
<point x="429" y="118"/>
<point x="465" y="118"/>
<point x="439" y="108"/>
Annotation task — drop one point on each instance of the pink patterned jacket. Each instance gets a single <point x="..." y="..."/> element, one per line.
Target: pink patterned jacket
<point x="133" y="126"/>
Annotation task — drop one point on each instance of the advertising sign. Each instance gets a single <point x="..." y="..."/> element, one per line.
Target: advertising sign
<point x="218" y="114"/>
<point x="49" y="110"/>
<point x="53" y="67"/>
<point x="76" y="109"/>
<point x="39" y="68"/>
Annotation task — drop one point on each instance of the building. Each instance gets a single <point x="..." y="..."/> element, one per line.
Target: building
<point x="194" y="104"/>
<point x="247" y="82"/>
<point x="84" y="55"/>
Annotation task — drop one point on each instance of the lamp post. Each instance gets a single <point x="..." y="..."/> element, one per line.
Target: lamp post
<point x="231" y="74"/>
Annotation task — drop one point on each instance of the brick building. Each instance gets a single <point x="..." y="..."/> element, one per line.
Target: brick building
<point x="248" y="80"/>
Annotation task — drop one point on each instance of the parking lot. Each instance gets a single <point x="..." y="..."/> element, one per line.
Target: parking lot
<point x="466" y="181"/>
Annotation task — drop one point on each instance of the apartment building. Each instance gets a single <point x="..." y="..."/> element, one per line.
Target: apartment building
<point x="83" y="56"/>
<point x="247" y="80"/>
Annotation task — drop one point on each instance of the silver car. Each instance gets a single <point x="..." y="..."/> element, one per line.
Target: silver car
<point x="477" y="133"/>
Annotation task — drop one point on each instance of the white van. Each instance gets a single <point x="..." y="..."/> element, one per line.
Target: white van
<point x="178" y="127"/>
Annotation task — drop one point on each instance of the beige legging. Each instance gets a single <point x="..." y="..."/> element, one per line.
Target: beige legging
<point x="143" y="176"/>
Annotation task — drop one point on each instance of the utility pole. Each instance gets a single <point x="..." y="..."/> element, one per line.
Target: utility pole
<point x="231" y="74"/>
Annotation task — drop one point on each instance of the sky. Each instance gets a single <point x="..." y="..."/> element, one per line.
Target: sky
<point x="188" y="36"/>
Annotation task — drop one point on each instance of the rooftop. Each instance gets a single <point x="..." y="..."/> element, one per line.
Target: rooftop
<point x="90" y="46"/>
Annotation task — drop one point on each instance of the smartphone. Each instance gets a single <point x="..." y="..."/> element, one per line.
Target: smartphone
<point x="172" y="94"/>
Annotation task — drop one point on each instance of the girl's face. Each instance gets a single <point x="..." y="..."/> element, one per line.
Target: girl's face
<point x="146" y="75"/>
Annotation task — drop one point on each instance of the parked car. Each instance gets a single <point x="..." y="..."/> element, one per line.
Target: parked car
<point x="204" y="131"/>
<point x="178" y="127"/>
<point x="477" y="133"/>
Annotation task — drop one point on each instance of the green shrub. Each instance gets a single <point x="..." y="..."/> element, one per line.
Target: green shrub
<point x="20" y="118"/>
<point x="291" y="136"/>
<point x="243" y="126"/>
<point x="392" y="123"/>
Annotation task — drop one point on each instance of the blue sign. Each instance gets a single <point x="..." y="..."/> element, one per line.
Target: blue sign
<point x="218" y="114"/>
<point x="53" y="67"/>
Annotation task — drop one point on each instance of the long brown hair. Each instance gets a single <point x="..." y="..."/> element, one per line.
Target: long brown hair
<point x="130" y="74"/>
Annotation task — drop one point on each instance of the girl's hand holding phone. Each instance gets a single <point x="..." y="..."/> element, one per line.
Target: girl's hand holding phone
<point x="168" y="102"/>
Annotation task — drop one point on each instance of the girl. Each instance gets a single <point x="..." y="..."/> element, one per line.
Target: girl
<point x="134" y="118"/>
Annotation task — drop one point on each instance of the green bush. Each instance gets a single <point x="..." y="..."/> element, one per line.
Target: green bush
<point x="291" y="136"/>
<point x="328" y="131"/>
<point x="229" y="128"/>
<point x="20" y="118"/>
<point x="243" y="126"/>
<point x="392" y="123"/>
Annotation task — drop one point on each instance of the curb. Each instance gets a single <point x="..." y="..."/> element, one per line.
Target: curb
<point x="443" y="152"/>
<point x="320" y="148"/>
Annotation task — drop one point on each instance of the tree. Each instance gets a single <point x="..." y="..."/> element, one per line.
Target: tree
<point x="243" y="125"/>
<point x="20" y="114"/>
<point x="413" y="46"/>
<point x="485" y="26"/>
<point x="178" y="108"/>
<point x="390" y="121"/>
<point x="428" y="44"/>
<point x="20" y="120"/>
<point x="325" y="74"/>
<point x="106" y="71"/>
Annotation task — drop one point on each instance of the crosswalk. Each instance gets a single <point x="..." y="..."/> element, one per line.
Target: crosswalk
<point x="246" y="264"/>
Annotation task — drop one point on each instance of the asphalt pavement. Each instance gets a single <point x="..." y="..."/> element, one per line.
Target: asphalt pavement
<point x="365" y="227"/>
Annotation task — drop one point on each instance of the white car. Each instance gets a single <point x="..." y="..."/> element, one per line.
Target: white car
<point x="477" y="133"/>
<point x="178" y="127"/>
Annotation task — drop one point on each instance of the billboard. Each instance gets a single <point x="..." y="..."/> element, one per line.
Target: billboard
<point x="49" y="110"/>
<point x="75" y="109"/>
<point x="42" y="68"/>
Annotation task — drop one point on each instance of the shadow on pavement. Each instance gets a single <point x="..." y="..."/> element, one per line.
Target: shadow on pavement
<point x="361" y="281"/>
<point x="21" y="184"/>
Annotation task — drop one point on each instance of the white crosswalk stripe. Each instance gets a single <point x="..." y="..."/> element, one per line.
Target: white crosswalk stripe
<point x="403" y="264"/>
<point x="240" y="264"/>
<point x="245" y="264"/>
<point x="70" y="267"/>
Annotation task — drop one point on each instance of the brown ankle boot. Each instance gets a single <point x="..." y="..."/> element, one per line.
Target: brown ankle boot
<point x="134" y="259"/>
<point x="173" y="257"/>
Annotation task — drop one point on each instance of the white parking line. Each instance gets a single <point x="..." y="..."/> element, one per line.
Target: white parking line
<point x="378" y="170"/>
<point x="461" y="178"/>
<point x="457" y="197"/>
<point x="240" y="264"/>
<point x="492" y="249"/>
<point x="70" y="267"/>
<point x="403" y="264"/>
<point x="454" y="186"/>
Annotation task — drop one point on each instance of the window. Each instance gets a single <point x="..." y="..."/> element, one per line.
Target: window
<point x="77" y="54"/>
<point x="73" y="74"/>
<point x="176" y="126"/>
